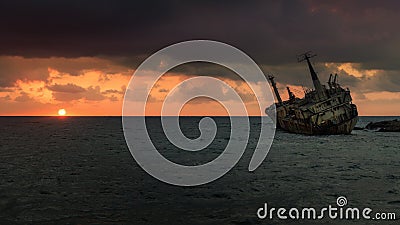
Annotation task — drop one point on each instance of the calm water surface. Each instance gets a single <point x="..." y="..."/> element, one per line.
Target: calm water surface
<point x="78" y="170"/>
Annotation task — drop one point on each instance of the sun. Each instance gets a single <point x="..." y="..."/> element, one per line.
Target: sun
<point x="62" y="112"/>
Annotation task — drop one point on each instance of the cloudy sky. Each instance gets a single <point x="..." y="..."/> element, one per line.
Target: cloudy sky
<point x="80" y="55"/>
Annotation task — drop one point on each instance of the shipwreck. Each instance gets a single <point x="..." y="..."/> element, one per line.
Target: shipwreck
<point x="324" y="110"/>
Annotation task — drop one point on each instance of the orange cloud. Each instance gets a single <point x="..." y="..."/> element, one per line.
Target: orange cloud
<point x="94" y="86"/>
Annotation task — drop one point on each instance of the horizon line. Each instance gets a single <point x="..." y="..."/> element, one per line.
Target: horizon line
<point x="161" y="116"/>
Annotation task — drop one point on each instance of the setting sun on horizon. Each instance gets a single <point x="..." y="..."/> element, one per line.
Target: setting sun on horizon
<point x="62" y="112"/>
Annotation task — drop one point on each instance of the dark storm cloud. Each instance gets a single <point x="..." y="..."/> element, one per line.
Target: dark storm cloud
<point x="76" y="28"/>
<point x="66" y="88"/>
<point x="13" y="68"/>
<point x="272" y="32"/>
<point x="205" y="69"/>
<point x="384" y="81"/>
<point x="112" y="91"/>
<point x="23" y="97"/>
<point x="69" y="92"/>
<point x="94" y="94"/>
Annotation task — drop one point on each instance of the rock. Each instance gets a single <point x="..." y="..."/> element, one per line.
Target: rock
<point x="358" y="128"/>
<point x="385" y="126"/>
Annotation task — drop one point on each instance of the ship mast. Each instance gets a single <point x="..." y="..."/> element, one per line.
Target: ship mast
<point x="271" y="79"/>
<point x="317" y="84"/>
<point x="290" y="93"/>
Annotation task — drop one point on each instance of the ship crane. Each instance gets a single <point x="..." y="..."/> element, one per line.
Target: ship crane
<point x="278" y="96"/>
<point x="317" y="84"/>
<point x="290" y="93"/>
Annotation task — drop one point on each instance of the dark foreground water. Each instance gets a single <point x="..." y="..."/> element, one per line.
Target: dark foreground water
<point x="78" y="170"/>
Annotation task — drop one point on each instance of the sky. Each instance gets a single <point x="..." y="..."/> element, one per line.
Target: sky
<point x="80" y="55"/>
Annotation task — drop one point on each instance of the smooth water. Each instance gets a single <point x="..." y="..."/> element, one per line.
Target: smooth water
<point x="78" y="170"/>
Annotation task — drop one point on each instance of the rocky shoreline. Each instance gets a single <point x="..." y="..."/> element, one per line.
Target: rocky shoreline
<point x="384" y="126"/>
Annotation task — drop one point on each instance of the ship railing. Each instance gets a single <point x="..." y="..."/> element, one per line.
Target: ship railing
<point x="329" y="108"/>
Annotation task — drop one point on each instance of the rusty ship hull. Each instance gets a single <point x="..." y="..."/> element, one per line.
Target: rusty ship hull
<point x="344" y="127"/>
<point x="322" y="111"/>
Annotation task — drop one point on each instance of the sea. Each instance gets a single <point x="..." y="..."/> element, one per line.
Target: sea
<point x="78" y="170"/>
